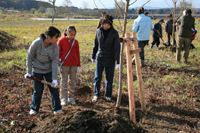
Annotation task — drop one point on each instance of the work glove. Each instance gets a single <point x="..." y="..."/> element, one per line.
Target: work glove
<point x="27" y="75"/>
<point x="55" y="82"/>
<point x="93" y="60"/>
<point x="117" y="66"/>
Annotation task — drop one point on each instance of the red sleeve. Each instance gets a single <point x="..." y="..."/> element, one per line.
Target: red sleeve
<point x="60" y="48"/>
<point x="78" y="55"/>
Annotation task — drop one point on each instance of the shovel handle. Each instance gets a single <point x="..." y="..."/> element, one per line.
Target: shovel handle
<point x="58" y="86"/>
<point x="48" y="83"/>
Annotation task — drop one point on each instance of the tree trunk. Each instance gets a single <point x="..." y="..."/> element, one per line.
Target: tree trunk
<point x="54" y="11"/>
<point x="173" y="32"/>
<point x="121" y="56"/>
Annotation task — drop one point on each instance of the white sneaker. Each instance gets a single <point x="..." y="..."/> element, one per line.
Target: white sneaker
<point x="71" y="100"/>
<point x="95" y="98"/>
<point x="58" y="112"/>
<point x="32" y="112"/>
<point x="108" y="99"/>
<point x="63" y="102"/>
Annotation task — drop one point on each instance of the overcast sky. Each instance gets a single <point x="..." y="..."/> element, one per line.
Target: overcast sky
<point x="110" y="3"/>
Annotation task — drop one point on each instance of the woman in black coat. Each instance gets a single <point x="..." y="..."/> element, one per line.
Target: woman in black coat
<point x="106" y="54"/>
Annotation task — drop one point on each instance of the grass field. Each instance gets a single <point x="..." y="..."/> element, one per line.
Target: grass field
<point x="166" y="82"/>
<point x="27" y="30"/>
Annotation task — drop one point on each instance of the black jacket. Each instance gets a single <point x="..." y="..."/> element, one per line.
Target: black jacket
<point x="169" y="26"/>
<point x="157" y="28"/>
<point x="106" y="51"/>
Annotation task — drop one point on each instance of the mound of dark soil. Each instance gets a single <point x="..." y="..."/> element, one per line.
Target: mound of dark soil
<point x="6" y="40"/>
<point x="86" y="121"/>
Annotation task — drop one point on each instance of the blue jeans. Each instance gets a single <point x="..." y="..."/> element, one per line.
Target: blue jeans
<point x="38" y="90"/>
<point x="109" y="80"/>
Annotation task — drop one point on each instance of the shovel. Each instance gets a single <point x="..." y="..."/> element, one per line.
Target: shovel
<point x="48" y="83"/>
<point x="162" y="39"/>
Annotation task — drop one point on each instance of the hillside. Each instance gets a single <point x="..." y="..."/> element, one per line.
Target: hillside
<point x="23" y="4"/>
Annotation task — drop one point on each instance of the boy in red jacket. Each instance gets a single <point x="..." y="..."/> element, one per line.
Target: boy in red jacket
<point x="69" y="57"/>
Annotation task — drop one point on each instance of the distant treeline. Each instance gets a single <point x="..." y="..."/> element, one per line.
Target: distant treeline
<point x="23" y="4"/>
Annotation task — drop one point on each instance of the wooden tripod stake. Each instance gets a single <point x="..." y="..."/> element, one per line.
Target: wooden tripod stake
<point x="139" y="74"/>
<point x="129" y="53"/>
<point x="130" y="79"/>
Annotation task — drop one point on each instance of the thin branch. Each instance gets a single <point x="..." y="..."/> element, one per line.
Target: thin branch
<point x="132" y="3"/>
<point x="136" y="11"/>
<point x="123" y="2"/>
<point x="119" y="6"/>
<point x="170" y="7"/>
<point x="131" y="17"/>
<point x="105" y="6"/>
<point x="101" y="11"/>
<point x="119" y="13"/>
<point x="119" y="18"/>
<point x="146" y="2"/>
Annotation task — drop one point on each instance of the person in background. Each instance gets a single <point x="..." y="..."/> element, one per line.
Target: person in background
<point x="146" y="14"/>
<point x="42" y="62"/>
<point x="142" y="26"/>
<point x="103" y="14"/>
<point x="186" y="23"/>
<point x="193" y="35"/>
<point x="157" y="33"/>
<point x="105" y="53"/>
<point x="69" y="55"/>
<point x="198" y="20"/>
<point x="169" y="29"/>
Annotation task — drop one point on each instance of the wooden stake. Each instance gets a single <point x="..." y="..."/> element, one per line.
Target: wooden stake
<point x="130" y="80"/>
<point x="139" y="74"/>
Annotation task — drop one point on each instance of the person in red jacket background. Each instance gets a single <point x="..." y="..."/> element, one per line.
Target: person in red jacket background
<point x="193" y="35"/>
<point x="69" y="56"/>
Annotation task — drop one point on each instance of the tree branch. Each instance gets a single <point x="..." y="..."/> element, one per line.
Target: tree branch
<point x="101" y="11"/>
<point x="119" y="6"/>
<point x="170" y="7"/>
<point x="123" y="2"/>
<point x="105" y="6"/>
<point x="146" y="2"/>
<point x="132" y="3"/>
<point x="136" y="11"/>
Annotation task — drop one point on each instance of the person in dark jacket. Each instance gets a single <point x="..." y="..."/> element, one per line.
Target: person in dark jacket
<point x="103" y="14"/>
<point x="105" y="53"/>
<point x="186" y="23"/>
<point x="157" y="33"/>
<point x="169" y="28"/>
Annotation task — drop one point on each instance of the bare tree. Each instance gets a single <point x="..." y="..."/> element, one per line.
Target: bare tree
<point x="54" y="9"/>
<point x="66" y="4"/>
<point x="183" y="5"/>
<point x="85" y="5"/>
<point x="173" y="32"/>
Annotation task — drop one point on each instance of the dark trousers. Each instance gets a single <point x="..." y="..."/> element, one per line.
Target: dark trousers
<point x="141" y="44"/>
<point x="109" y="80"/>
<point x="156" y="40"/>
<point x="38" y="90"/>
<point x="170" y="35"/>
